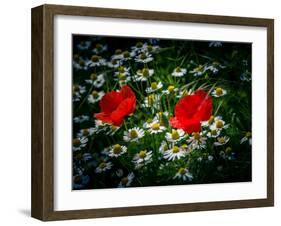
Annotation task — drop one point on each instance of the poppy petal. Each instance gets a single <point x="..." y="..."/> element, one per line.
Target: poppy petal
<point x="110" y="101"/>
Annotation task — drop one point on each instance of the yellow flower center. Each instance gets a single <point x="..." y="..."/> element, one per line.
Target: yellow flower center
<point x="219" y="124"/>
<point x="176" y="149"/>
<point x="118" y="51"/>
<point x="156" y="126"/>
<point x="114" y="62"/>
<point x="76" y="142"/>
<point x="171" y="88"/>
<point x="143" y="56"/>
<point x="228" y="150"/>
<point x="76" y="88"/>
<point x="175" y="135"/>
<point x="82" y="63"/>
<point x="221" y="140"/>
<point x="133" y="134"/>
<point x="150" y="99"/>
<point x="85" y="132"/>
<point x="149" y="120"/>
<point x="95" y="58"/>
<point x="117" y="148"/>
<point x="126" y="54"/>
<point x="145" y="72"/>
<point x="165" y="148"/>
<point x="178" y="69"/>
<point x="154" y="85"/>
<point x="93" y="76"/>
<point x="182" y="170"/>
<point x="142" y="154"/>
<point x="124" y="180"/>
<point x="219" y="91"/>
<point x="95" y="94"/>
<point x="214" y="132"/>
<point x="121" y="69"/>
<point x="98" y="46"/>
<point x="149" y="48"/>
<point x="121" y="76"/>
<point x="139" y="44"/>
<point x="196" y="136"/>
<point x="184" y="146"/>
<point x="248" y="134"/>
<point x="102" y="165"/>
<point x="200" y="68"/>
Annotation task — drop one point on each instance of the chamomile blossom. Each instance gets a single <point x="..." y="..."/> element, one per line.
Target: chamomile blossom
<point x="215" y="67"/>
<point x="112" y="129"/>
<point x="165" y="146"/>
<point x="197" y="140"/>
<point x="209" y="122"/>
<point x="174" y="153"/>
<point x="80" y="181"/>
<point x="155" y="127"/>
<point x="170" y="90"/>
<point x="103" y="166"/>
<point x="154" y="87"/>
<point x="218" y="124"/>
<point x="199" y="70"/>
<point x="96" y="61"/>
<point x="117" y="150"/>
<point x="144" y="74"/>
<point x="126" y="55"/>
<point x="247" y="137"/>
<point x="150" y="48"/>
<point x="77" y="92"/>
<point x="221" y="141"/>
<point x="175" y="136"/>
<point x="213" y="133"/>
<point x="123" y="70"/>
<point x="142" y="158"/>
<point x="179" y="72"/>
<point x="114" y="63"/>
<point x="139" y="47"/>
<point x="152" y="100"/>
<point x="183" y="174"/>
<point x="144" y="58"/>
<point x="219" y="92"/>
<point x="133" y="134"/>
<point x="86" y="132"/>
<point x="126" y="181"/>
<point x="81" y="118"/>
<point x="84" y="45"/>
<point x="80" y="64"/>
<point x="96" y="80"/>
<point x="99" y="48"/>
<point x="95" y="96"/>
<point x="79" y="143"/>
<point x="184" y="92"/>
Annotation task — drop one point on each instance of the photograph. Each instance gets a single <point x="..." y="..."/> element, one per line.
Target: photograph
<point x="158" y="112"/>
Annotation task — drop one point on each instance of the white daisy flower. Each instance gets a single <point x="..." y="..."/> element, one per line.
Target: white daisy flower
<point x="123" y="70"/>
<point x="198" y="71"/>
<point x="215" y="67"/>
<point x="154" y="87"/>
<point x="142" y="158"/>
<point x="96" y="80"/>
<point x="175" y="136"/>
<point x="179" y="72"/>
<point x="174" y="153"/>
<point x="99" y="48"/>
<point x="86" y="132"/>
<point x="100" y="126"/>
<point x="170" y="90"/>
<point x="117" y="150"/>
<point x="213" y="133"/>
<point x="118" y="55"/>
<point x="156" y="127"/>
<point x="139" y="47"/>
<point x="114" y="63"/>
<point x="112" y="130"/>
<point x="215" y="44"/>
<point x="152" y="100"/>
<point x="221" y="141"/>
<point x="126" y="181"/>
<point x="219" y="92"/>
<point x="183" y="174"/>
<point x="96" y="61"/>
<point x="95" y="96"/>
<point x="126" y="55"/>
<point x="150" y="48"/>
<point x="209" y="122"/>
<point x="81" y="118"/>
<point x="184" y="92"/>
<point x="77" y="92"/>
<point x="87" y="156"/>
<point x="104" y="166"/>
<point x="80" y="64"/>
<point x="218" y="124"/>
<point x="144" y="74"/>
<point x="144" y="58"/>
<point x="133" y="134"/>
<point x="247" y="137"/>
<point x="164" y="147"/>
<point x="119" y="173"/>
<point x="210" y="158"/>
<point x="197" y="141"/>
<point x="79" y="143"/>
<point x="84" y="45"/>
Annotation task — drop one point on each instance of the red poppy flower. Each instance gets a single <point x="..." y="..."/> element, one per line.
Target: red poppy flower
<point x="191" y="110"/>
<point x="116" y="105"/>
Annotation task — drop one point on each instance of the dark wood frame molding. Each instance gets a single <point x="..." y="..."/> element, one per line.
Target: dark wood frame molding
<point x="42" y="111"/>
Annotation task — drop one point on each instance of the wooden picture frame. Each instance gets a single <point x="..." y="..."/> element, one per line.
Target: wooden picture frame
<point x="43" y="108"/>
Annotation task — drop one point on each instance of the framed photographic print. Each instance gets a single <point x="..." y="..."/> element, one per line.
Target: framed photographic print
<point x="140" y="112"/>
